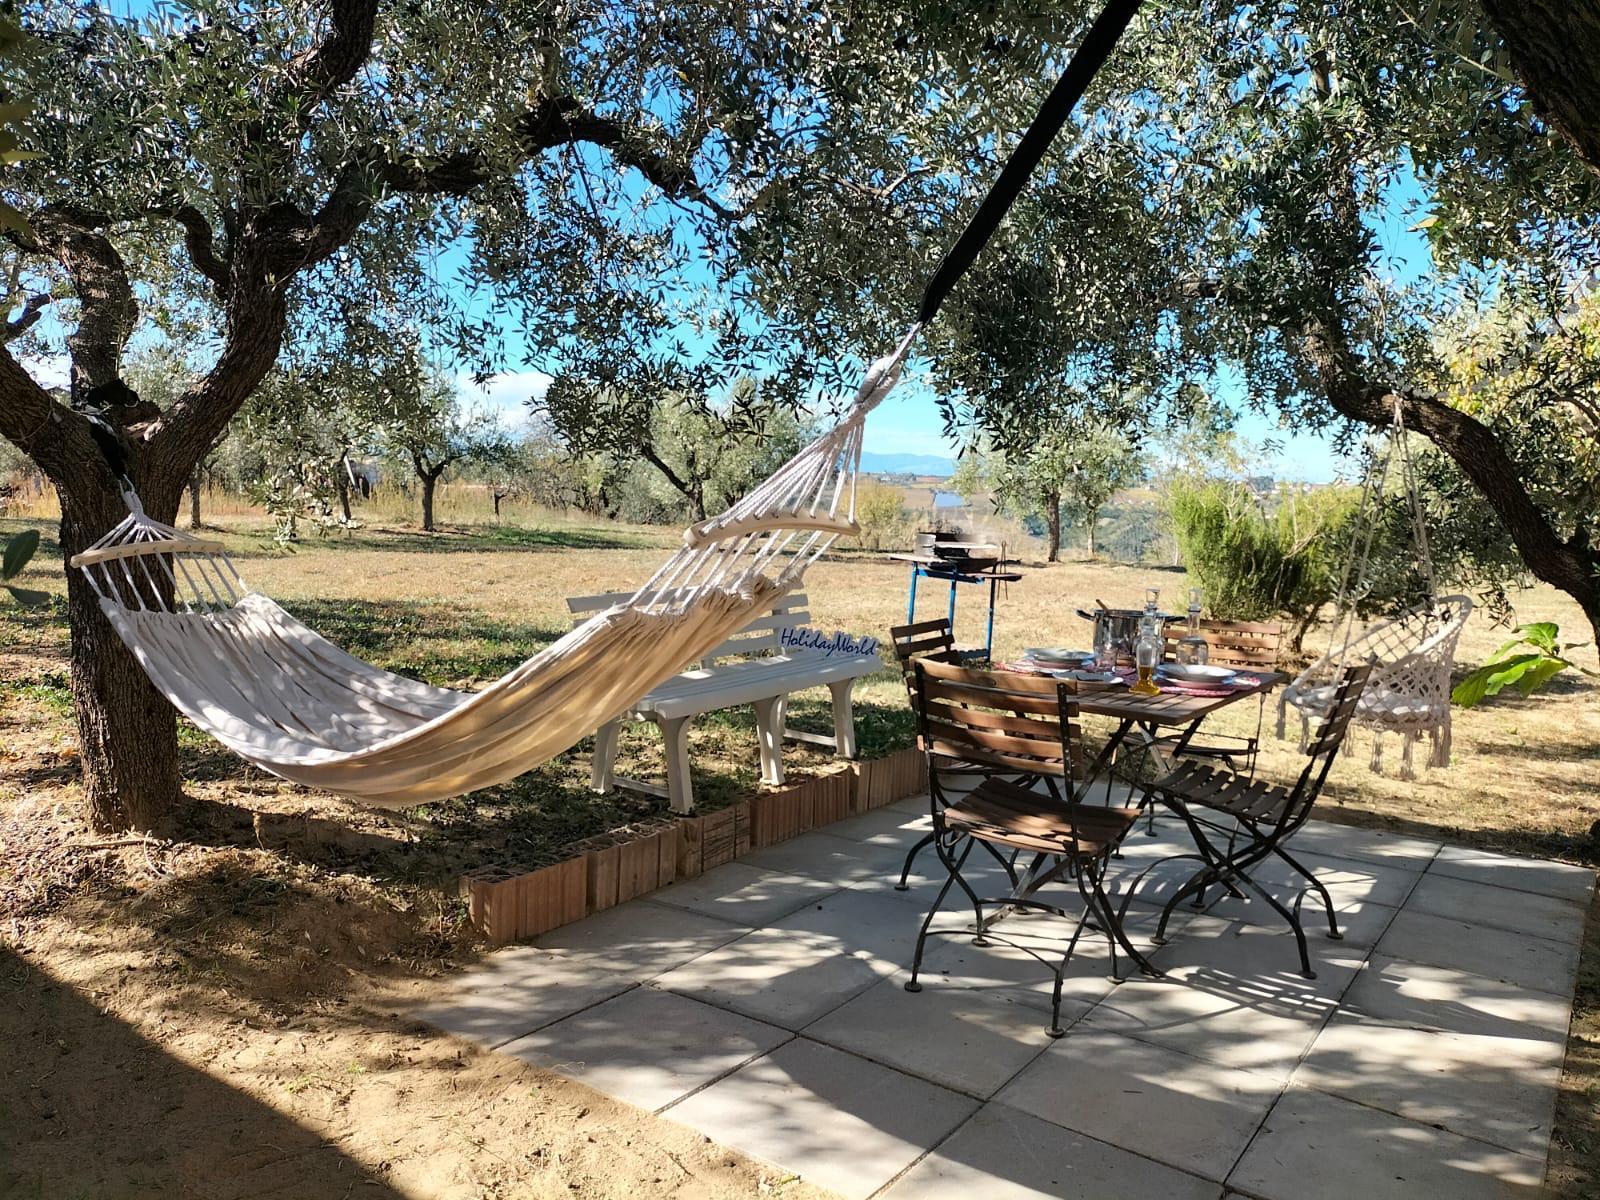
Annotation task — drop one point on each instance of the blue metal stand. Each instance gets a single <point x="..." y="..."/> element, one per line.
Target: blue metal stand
<point x="993" y="579"/>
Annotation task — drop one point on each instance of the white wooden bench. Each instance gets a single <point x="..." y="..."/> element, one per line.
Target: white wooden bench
<point x="748" y="668"/>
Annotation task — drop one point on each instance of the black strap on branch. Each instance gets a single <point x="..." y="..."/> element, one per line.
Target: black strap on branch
<point x="1092" y="53"/>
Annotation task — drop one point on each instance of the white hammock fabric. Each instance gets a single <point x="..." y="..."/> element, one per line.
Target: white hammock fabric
<point x="288" y="700"/>
<point x="1408" y="693"/>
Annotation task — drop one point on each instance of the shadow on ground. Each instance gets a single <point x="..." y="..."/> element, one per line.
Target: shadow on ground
<point x="52" y="1120"/>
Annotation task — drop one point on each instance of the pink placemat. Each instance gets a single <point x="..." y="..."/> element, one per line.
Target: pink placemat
<point x="1241" y="683"/>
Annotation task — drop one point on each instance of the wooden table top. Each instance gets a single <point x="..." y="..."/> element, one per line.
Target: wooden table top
<point x="1169" y="708"/>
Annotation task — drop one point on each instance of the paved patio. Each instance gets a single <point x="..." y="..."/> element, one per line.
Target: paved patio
<point x="762" y="1004"/>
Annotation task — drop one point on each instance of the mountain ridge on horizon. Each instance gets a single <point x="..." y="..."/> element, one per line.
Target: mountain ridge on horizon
<point x="880" y="463"/>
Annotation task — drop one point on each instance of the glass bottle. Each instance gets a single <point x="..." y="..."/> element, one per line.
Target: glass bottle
<point x="1147" y="653"/>
<point x="1192" y="649"/>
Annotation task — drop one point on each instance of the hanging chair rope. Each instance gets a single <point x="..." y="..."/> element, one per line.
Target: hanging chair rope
<point x="1412" y="654"/>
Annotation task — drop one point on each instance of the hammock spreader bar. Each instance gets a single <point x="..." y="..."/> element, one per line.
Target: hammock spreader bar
<point x="1092" y="53"/>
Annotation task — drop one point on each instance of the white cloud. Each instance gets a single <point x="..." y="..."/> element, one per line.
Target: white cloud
<point x="508" y="391"/>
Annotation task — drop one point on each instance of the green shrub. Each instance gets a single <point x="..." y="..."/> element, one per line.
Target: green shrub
<point x="1259" y="559"/>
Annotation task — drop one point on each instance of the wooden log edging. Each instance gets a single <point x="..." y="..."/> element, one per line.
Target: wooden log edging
<point x="881" y="781"/>
<point x="515" y="901"/>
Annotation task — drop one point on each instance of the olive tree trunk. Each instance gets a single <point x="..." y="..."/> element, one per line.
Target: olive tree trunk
<point x="127" y="732"/>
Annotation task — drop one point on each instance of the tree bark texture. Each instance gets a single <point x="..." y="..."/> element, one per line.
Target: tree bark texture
<point x="430" y="480"/>
<point x="1052" y="520"/>
<point x="1554" y="47"/>
<point x="194" y="497"/>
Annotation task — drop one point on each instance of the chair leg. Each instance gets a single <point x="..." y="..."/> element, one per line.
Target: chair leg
<point x="603" y="764"/>
<point x="912" y="985"/>
<point x="1114" y="929"/>
<point x="1291" y="917"/>
<point x="680" y="787"/>
<point x="1055" y="1029"/>
<point x="905" y="871"/>
<point x="1322" y="890"/>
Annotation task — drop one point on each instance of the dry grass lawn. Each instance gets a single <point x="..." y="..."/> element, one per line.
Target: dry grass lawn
<point x="208" y="1016"/>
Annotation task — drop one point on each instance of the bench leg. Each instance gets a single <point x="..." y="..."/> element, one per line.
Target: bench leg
<point x="603" y="763"/>
<point x="680" y="787"/>
<point x="769" y="734"/>
<point x="844" y="718"/>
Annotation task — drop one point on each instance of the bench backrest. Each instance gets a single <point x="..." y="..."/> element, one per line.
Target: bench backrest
<point x="760" y="636"/>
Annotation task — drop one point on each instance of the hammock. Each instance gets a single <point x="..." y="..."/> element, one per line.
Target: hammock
<point x="288" y="700"/>
<point x="1412" y="655"/>
<point x="285" y="698"/>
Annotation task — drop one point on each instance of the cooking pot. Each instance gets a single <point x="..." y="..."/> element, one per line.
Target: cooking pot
<point x="1122" y="625"/>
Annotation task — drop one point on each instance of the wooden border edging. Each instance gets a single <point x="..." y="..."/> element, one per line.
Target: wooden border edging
<point x="508" y="903"/>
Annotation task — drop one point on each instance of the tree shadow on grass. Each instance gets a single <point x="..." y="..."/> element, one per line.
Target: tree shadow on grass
<point x="77" y="1082"/>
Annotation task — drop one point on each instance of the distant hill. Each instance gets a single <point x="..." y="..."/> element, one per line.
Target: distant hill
<point x="907" y="464"/>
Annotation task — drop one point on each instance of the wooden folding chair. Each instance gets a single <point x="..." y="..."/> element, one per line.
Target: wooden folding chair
<point x="932" y="639"/>
<point x="1253" y="820"/>
<point x="1019" y="733"/>
<point x="1241" y="646"/>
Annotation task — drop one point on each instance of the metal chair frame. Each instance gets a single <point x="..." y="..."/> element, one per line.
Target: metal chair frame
<point x="1256" y="820"/>
<point x="1012" y="728"/>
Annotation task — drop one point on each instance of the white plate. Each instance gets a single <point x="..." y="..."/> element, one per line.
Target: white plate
<point x="1055" y="653"/>
<point x="1198" y="673"/>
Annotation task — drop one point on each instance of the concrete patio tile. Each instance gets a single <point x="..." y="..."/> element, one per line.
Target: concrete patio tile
<point x="1009" y="967"/>
<point x="1517" y="958"/>
<point x="795" y="970"/>
<point x="833" y="860"/>
<point x="1232" y="995"/>
<point x="1156" y="1102"/>
<point x="1319" y="1147"/>
<point x="1563" y="881"/>
<point x="642" y="938"/>
<point x="983" y="874"/>
<point x="517" y="991"/>
<point x="1366" y="845"/>
<point x="1003" y="1154"/>
<point x="785" y="978"/>
<point x="648" y="1047"/>
<point x="1502" y="908"/>
<point x="743" y="894"/>
<point x="836" y="1120"/>
<point x="1361" y="922"/>
<point x="965" y="1040"/>
<point x="1345" y="878"/>
<point x="1499" y="1090"/>
<point x="915" y="805"/>
<point x="1429" y="997"/>
<point x="884" y="826"/>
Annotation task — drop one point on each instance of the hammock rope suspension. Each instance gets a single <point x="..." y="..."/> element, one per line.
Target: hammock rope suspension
<point x="293" y="703"/>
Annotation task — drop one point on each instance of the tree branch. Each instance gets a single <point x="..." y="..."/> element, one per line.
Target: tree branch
<point x="200" y="241"/>
<point x="334" y="61"/>
<point x="32" y="309"/>
<point x="51" y="434"/>
<point x="558" y="121"/>
<point x="108" y="309"/>
<point x="1469" y="443"/>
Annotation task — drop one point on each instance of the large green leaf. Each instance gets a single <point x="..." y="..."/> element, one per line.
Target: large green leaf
<point x="18" y="551"/>
<point x="1542" y="634"/>
<point x="28" y="597"/>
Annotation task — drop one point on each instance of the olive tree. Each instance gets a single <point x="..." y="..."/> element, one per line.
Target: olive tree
<point x="263" y="173"/>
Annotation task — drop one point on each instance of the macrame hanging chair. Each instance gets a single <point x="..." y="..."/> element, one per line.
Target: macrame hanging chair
<point x="1412" y="654"/>
<point x="283" y="697"/>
